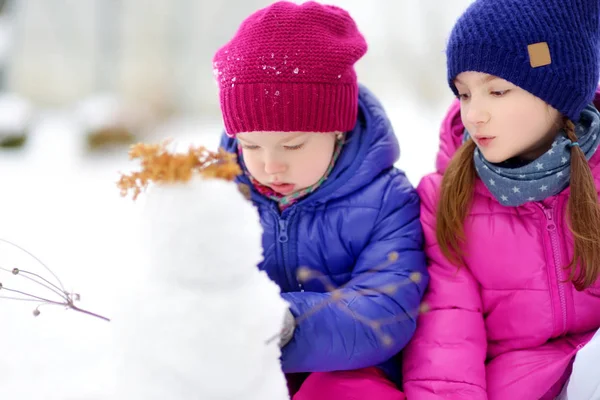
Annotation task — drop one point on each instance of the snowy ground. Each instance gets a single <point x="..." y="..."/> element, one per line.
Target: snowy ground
<point x="61" y="203"/>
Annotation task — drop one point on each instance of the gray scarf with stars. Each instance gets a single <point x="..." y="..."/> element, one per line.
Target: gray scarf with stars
<point x="514" y="185"/>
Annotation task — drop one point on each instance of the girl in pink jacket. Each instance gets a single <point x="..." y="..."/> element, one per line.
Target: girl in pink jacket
<point x="511" y="217"/>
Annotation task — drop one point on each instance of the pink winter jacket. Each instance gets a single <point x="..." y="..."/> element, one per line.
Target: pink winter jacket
<point x="504" y="327"/>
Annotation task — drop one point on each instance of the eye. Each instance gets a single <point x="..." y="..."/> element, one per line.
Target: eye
<point x="249" y="146"/>
<point x="498" y="93"/>
<point x="462" y="96"/>
<point x="296" y="147"/>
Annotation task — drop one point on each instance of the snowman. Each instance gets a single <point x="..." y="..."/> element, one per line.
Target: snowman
<point x="197" y="323"/>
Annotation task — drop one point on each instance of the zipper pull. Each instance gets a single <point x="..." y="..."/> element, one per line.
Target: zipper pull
<point x="550" y="225"/>
<point x="283" y="236"/>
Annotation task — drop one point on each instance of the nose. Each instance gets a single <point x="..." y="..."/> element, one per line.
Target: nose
<point x="476" y="113"/>
<point x="274" y="165"/>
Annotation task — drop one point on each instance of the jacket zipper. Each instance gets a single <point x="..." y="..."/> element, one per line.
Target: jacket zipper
<point x="283" y="239"/>
<point x="552" y="231"/>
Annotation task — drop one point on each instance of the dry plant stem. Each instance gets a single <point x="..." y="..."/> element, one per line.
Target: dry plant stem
<point x="52" y="287"/>
<point x="81" y="310"/>
<point x="337" y="294"/>
<point x="32" y="296"/>
<point x="19" y="298"/>
<point x="62" y="288"/>
<point x="66" y="299"/>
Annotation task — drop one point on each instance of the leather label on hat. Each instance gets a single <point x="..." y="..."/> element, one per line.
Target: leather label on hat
<point x="539" y="54"/>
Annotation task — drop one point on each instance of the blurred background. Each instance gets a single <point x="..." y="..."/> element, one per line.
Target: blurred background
<point x="123" y="70"/>
<point x="82" y="79"/>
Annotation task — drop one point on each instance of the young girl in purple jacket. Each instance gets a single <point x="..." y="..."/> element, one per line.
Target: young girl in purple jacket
<point x="318" y="152"/>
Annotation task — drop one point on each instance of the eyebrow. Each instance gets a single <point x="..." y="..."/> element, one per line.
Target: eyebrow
<point x="293" y="137"/>
<point x="488" y="78"/>
<point x="244" y="140"/>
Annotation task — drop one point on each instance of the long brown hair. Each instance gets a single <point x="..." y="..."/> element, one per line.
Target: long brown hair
<point x="583" y="210"/>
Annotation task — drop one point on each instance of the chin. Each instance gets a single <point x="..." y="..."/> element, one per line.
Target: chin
<point x="494" y="158"/>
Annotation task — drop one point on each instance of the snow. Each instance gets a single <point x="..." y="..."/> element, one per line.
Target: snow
<point x="107" y="110"/>
<point x="417" y="129"/>
<point x="68" y="213"/>
<point x="100" y="111"/>
<point x="15" y="114"/>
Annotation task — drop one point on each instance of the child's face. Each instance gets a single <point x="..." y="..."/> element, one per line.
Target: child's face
<point x="287" y="161"/>
<point x="504" y="120"/>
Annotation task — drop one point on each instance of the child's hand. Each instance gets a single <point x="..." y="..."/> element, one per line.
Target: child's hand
<point x="289" y="326"/>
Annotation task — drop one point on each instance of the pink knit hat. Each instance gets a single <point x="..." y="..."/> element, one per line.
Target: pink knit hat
<point x="290" y="68"/>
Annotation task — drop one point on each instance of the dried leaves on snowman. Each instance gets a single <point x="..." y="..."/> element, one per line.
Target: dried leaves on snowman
<point x="159" y="165"/>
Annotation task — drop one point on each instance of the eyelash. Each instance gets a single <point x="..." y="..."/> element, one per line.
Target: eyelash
<point x="495" y="93"/>
<point x="255" y="147"/>
<point x="296" y="147"/>
<point x="499" y="93"/>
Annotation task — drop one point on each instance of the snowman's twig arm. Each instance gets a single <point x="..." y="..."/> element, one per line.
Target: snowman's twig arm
<point x="66" y="299"/>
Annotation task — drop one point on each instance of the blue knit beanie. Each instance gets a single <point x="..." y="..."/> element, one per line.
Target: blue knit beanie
<point x="547" y="47"/>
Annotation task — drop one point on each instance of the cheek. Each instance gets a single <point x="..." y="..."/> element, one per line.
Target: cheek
<point x="313" y="167"/>
<point x="528" y="130"/>
<point x="514" y="125"/>
<point x="463" y="119"/>
<point x="253" y="162"/>
<point x="318" y="165"/>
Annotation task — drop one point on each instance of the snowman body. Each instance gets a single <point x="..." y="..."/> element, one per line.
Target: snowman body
<point x="199" y="323"/>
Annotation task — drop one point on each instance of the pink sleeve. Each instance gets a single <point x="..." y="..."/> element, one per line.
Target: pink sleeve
<point x="446" y="357"/>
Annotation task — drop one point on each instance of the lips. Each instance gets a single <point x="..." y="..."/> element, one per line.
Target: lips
<point x="283" y="188"/>
<point x="483" y="140"/>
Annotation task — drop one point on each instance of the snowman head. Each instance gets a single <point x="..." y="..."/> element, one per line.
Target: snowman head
<point x="199" y="229"/>
<point x="202" y="233"/>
